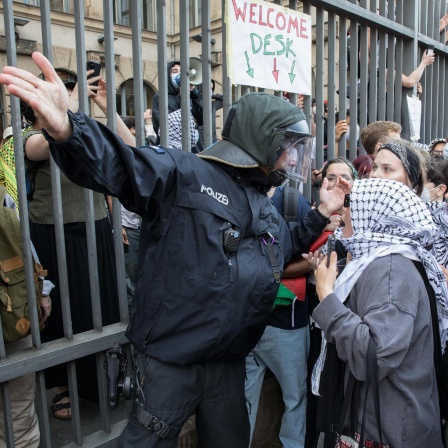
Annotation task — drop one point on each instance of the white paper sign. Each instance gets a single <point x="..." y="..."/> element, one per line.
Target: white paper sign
<point x="268" y="46"/>
<point x="415" y="116"/>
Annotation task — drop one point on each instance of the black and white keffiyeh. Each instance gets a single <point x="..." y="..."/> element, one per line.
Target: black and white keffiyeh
<point x="388" y="218"/>
<point x="439" y="212"/>
<point x="175" y="130"/>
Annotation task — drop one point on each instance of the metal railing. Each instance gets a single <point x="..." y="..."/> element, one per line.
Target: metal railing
<point x="384" y="42"/>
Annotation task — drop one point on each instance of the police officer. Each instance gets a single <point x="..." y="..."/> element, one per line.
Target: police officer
<point x="215" y="256"/>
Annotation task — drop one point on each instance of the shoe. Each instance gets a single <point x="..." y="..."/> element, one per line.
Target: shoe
<point x="58" y="406"/>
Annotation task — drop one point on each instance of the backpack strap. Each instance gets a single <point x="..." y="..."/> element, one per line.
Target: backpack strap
<point x="290" y="203"/>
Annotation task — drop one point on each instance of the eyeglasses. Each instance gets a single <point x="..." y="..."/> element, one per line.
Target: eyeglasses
<point x="435" y="153"/>
<point x="332" y="179"/>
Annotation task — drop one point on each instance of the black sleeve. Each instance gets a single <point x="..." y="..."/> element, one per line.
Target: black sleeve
<point x="94" y="157"/>
<point x="155" y="114"/>
<point x="197" y="106"/>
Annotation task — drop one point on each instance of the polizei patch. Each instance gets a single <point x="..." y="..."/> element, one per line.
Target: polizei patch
<point x="218" y="196"/>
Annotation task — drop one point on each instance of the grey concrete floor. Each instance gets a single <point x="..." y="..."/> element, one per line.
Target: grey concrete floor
<point x="61" y="430"/>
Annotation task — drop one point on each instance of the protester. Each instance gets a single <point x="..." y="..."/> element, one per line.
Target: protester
<point x="386" y="299"/>
<point x="436" y="148"/>
<point x="284" y="346"/>
<point x="174" y="104"/>
<point x="217" y="251"/>
<point x="364" y="165"/>
<point x="397" y="160"/>
<point x="37" y="158"/>
<point x="22" y="389"/>
<point x="377" y="133"/>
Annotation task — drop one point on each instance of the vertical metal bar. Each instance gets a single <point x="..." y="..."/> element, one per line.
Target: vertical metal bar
<point x="390" y="79"/>
<point x="307" y="106"/>
<point x="137" y="65"/>
<point x="293" y="96"/>
<point x="16" y="123"/>
<point x="42" y="410"/>
<point x="123" y="100"/>
<point x="162" y="71"/>
<point x="7" y="414"/>
<point x="364" y="77"/>
<point x="88" y="194"/>
<point x="433" y="21"/>
<point x="319" y="87"/>
<point x="331" y="85"/>
<point x="373" y="68"/>
<point x="411" y="57"/>
<point x="184" y="11"/>
<point x="398" y="90"/>
<point x="102" y="391"/>
<point x="340" y="151"/>
<point x="442" y="88"/>
<point x="206" y="73"/>
<point x="354" y="58"/>
<point x="112" y="124"/>
<point x="57" y="198"/>
<point x="226" y="84"/>
<point x="74" y="402"/>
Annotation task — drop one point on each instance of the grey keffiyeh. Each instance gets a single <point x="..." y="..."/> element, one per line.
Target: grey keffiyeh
<point x="388" y="218"/>
<point x="439" y="212"/>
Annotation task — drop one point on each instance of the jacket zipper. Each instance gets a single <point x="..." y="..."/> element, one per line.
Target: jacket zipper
<point x="231" y="273"/>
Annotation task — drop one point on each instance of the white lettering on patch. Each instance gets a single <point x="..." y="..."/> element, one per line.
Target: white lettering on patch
<point x="218" y="196"/>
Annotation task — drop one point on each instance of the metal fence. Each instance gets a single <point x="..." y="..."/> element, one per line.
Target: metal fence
<point x="384" y="39"/>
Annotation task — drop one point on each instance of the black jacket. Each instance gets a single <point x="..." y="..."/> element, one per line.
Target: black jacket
<point x="174" y="102"/>
<point x="193" y="301"/>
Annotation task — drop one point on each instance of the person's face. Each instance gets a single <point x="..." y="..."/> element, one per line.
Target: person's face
<point x="287" y="161"/>
<point x="436" y="192"/>
<point x="388" y="166"/>
<point x="390" y="136"/>
<point x="337" y="170"/>
<point x="437" y="151"/>
<point x="175" y="69"/>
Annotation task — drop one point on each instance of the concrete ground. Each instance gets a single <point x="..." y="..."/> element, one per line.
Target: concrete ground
<point x="61" y="430"/>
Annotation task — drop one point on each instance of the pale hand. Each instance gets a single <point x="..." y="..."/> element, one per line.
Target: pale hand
<point x="333" y="200"/>
<point x="326" y="277"/>
<point x="45" y="304"/>
<point x="48" y="98"/>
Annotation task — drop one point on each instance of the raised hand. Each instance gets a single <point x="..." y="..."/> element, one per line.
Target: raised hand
<point x="333" y="200"/>
<point x="48" y="98"/>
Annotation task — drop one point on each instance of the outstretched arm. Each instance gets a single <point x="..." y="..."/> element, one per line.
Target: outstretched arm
<point x="48" y="98"/>
<point x="411" y="80"/>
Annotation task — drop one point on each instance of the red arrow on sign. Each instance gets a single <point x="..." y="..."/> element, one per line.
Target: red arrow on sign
<point x="275" y="72"/>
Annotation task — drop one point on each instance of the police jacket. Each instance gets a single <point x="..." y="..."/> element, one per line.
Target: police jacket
<point x="194" y="299"/>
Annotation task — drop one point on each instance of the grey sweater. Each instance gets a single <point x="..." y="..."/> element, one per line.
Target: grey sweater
<point x="390" y="302"/>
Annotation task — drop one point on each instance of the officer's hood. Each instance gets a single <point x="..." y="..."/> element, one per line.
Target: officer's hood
<point x="254" y="130"/>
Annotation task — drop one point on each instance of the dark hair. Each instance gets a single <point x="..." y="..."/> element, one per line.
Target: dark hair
<point x="27" y="112"/>
<point x="443" y="167"/>
<point x="353" y="171"/>
<point x="364" y="165"/>
<point x="434" y="172"/>
<point x="129" y="122"/>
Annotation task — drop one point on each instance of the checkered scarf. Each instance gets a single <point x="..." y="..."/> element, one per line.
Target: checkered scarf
<point x="388" y="218"/>
<point x="439" y="212"/>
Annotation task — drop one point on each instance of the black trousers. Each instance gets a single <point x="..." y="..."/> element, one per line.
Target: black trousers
<point x="214" y="390"/>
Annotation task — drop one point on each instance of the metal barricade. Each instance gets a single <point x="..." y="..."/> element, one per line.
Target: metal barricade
<point x="385" y="40"/>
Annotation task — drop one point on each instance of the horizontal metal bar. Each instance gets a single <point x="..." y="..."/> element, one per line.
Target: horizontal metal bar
<point x="353" y="12"/>
<point x="60" y="351"/>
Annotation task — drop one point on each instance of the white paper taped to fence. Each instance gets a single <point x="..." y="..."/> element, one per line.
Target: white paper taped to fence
<point x="415" y="116"/>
